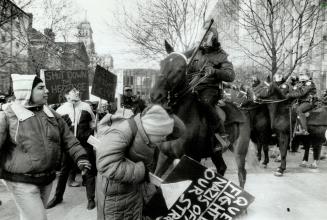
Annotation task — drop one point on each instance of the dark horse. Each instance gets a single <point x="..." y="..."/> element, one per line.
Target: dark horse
<point x="171" y="88"/>
<point x="258" y="118"/>
<point x="283" y="119"/>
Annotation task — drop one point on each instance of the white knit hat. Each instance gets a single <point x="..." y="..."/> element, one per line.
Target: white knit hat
<point x="22" y="86"/>
<point x="156" y="121"/>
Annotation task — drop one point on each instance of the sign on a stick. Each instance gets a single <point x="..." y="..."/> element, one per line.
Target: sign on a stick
<point x="58" y="81"/>
<point x="209" y="196"/>
<point x="104" y="84"/>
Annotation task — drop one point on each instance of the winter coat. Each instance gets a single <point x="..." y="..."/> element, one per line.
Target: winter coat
<point x="82" y="118"/>
<point x="31" y="142"/>
<point x="120" y="180"/>
<point x="222" y="69"/>
<point x="304" y="91"/>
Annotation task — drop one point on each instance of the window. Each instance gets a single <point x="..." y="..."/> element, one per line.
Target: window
<point x="17" y="45"/>
<point x="3" y="38"/>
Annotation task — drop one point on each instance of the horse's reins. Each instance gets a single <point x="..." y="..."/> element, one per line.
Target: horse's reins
<point x="191" y="86"/>
<point x="268" y="101"/>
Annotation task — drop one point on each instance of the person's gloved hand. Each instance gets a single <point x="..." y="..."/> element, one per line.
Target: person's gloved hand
<point x="84" y="165"/>
<point x="209" y="70"/>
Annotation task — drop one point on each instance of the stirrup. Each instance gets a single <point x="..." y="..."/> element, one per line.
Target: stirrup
<point x="223" y="141"/>
<point x="302" y="132"/>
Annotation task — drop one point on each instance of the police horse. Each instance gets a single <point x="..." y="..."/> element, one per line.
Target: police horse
<point x="283" y="120"/>
<point x="172" y="90"/>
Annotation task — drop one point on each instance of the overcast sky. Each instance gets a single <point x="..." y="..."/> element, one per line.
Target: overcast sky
<point x="107" y="40"/>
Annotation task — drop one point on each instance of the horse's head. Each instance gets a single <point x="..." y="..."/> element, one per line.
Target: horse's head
<point x="172" y="76"/>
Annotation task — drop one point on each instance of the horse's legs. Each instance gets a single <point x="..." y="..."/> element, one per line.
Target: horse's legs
<point x="283" y="142"/>
<point x="266" y="153"/>
<point x="241" y="146"/>
<point x="259" y="148"/>
<point x="218" y="161"/>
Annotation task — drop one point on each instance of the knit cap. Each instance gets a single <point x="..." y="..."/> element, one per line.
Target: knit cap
<point x="156" y="121"/>
<point x="22" y="86"/>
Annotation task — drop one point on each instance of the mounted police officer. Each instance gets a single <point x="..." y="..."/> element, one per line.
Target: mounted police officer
<point x="305" y="91"/>
<point x="212" y="60"/>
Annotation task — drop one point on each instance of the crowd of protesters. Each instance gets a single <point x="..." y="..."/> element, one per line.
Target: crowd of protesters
<point x="37" y="141"/>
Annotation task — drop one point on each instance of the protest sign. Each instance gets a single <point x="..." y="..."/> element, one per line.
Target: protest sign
<point x="104" y="84"/>
<point x="58" y="81"/>
<point x="209" y="196"/>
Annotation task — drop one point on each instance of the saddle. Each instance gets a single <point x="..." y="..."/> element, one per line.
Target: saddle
<point x="229" y="113"/>
<point x="317" y="116"/>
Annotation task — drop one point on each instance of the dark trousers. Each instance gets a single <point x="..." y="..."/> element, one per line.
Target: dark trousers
<point x="89" y="178"/>
<point x="300" y="110"/>
<point x="209" y="98"/>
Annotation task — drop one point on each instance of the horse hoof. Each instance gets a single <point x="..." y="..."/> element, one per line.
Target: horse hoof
<point x="277" y="160"/>
<point x="313" y="166"/>
<point x="277" y="173"/>
<point x="303" y="165"/>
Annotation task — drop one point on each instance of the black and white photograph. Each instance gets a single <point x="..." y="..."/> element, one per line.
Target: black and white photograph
<point x="163" y="109"/>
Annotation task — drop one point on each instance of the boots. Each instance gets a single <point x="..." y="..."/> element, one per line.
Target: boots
<point x="90" y="204"/>
<point x="55" y="201"/>
<point x="303" y="125"/>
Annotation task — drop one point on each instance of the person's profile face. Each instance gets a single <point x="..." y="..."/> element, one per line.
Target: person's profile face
<point x="73" y="95"/>
<point x="39" y="94"/>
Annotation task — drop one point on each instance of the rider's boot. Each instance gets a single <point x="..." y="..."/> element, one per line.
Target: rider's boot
<point x="303" y="123"/>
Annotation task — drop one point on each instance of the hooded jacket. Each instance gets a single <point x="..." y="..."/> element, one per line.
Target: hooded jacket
<point x="120" y="180"/>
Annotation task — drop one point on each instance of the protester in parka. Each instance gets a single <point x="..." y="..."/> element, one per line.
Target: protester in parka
<point x="125" y="157"/>
<point x="31" y="141"/>
<point x="83" y="120"/>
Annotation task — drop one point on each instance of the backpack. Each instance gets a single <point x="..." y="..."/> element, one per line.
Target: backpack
<point x="109" y="119"/>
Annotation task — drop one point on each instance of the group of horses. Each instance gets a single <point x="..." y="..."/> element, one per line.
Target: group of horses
<point x="256" y="122"/>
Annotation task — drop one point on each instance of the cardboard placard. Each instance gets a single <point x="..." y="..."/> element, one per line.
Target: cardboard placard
<point x="104" y="84"/>
<point x="210" y="196"/>
<point x="57" y="82"/>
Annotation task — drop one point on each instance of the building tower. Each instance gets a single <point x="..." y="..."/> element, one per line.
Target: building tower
<point x="84" y="34"/>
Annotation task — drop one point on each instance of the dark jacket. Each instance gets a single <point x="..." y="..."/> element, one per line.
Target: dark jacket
<point x="127" y="102"/>
<point x="221" y="68"/>
<point x="31" y="143"/>
<point x="304" y="91"/>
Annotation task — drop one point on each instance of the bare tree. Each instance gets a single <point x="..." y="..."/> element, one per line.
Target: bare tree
<point x="279" y="31"/>
<point x="178" y="21"/>
<point x="56" y="15"/>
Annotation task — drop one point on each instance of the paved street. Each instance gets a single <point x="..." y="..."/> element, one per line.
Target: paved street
<point x="298" y="195"/>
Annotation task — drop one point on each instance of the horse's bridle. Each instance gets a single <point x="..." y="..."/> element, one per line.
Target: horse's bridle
<point x="173" y="93"/>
